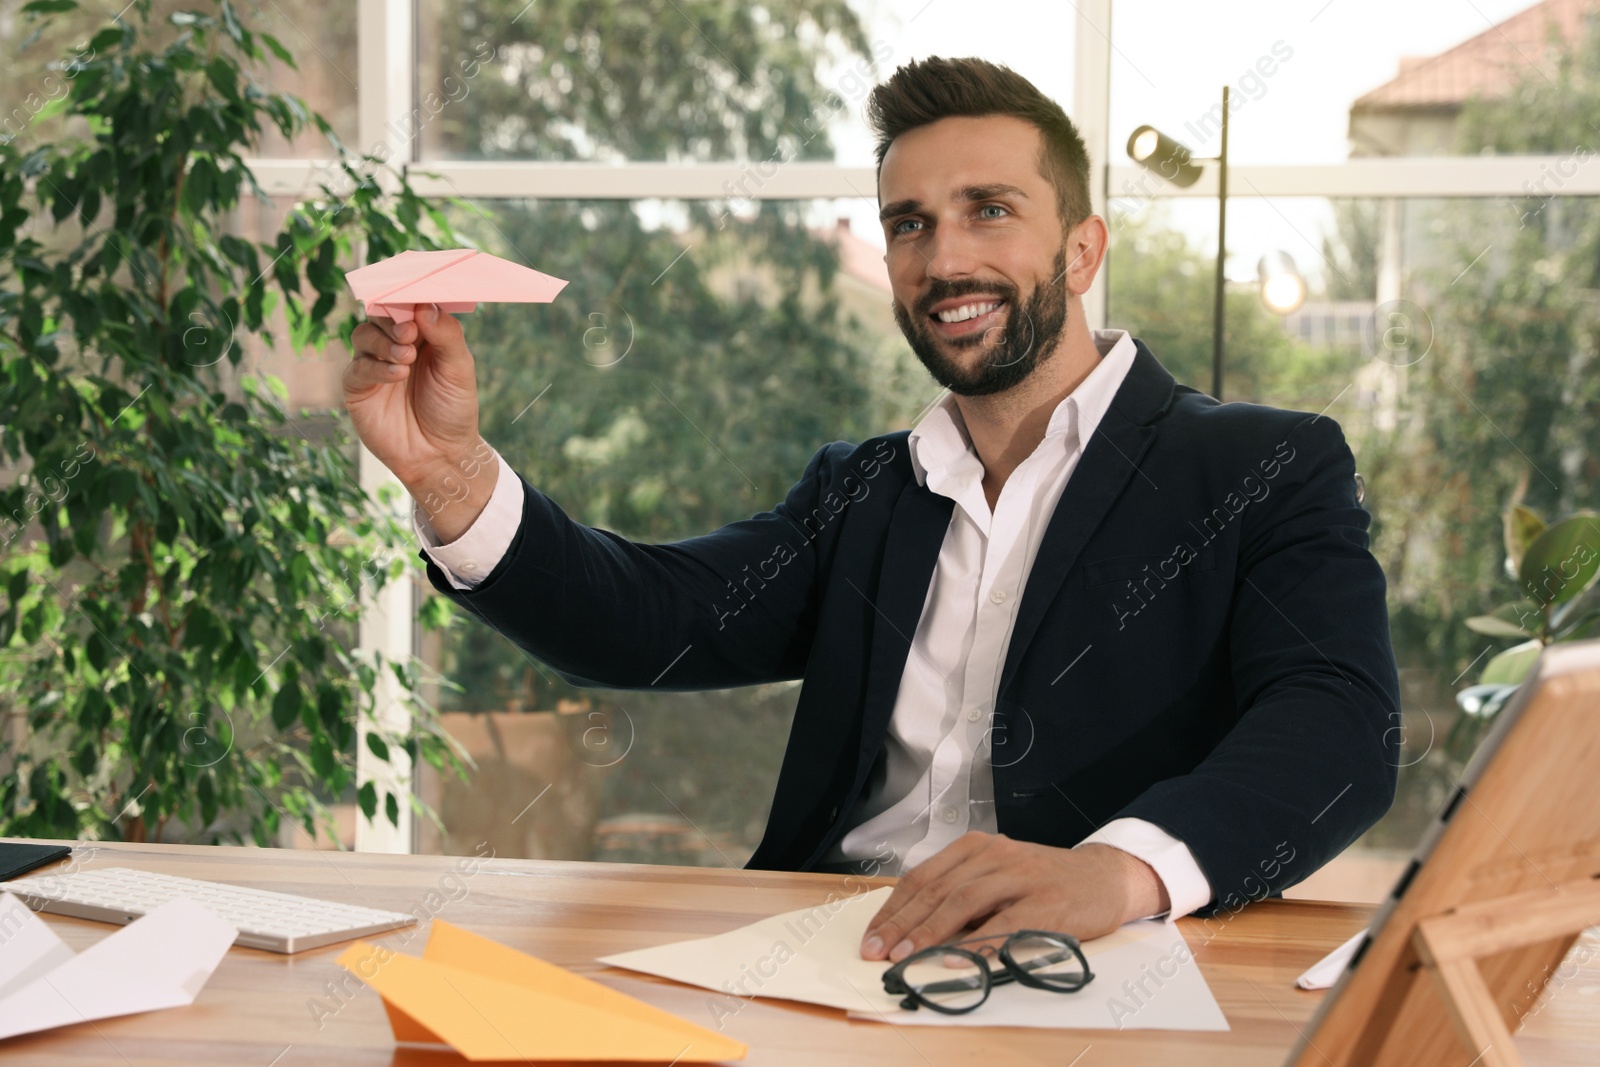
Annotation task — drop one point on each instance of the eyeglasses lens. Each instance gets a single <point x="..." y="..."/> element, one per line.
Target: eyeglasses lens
<point x="949" y="980"/>
<point x="1048" y="960"/>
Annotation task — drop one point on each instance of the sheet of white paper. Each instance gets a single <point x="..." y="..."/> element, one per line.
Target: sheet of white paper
<point x="1145" y="976"/>
<point x="28" y="948"/>
<point x="159" y="961"/>
<point x="1326" y="971"/>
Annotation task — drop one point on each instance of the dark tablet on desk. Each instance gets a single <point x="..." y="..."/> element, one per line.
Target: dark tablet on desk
<point x="17" y="859"/>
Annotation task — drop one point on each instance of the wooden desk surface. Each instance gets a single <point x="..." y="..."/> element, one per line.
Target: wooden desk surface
<point x="260" y="1008"/>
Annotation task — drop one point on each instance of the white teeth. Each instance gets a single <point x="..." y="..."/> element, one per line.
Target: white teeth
<point x="967" y="311"/>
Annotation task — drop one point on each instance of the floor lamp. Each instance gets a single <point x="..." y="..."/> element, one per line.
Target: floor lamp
<point x="1155" y="151"/>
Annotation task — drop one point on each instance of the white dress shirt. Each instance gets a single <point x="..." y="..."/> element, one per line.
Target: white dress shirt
<point x="939" y="782"/>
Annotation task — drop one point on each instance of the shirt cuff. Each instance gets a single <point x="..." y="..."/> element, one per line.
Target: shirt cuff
<point x="468" y="559"/>
<point x="1186" y="885"/>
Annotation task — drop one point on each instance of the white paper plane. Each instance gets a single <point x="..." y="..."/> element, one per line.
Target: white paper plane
<point x="160" y="961"/>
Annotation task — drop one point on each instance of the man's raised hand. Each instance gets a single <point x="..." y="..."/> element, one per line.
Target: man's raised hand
<point x="411" y="390"/>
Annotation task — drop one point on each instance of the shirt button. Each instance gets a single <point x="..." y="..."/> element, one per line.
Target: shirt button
<point x="974" y="715"/>
<point x="949" y="814"/>
<point x="998" y="596"/>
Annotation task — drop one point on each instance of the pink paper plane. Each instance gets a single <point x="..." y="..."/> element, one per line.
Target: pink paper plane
<point x="457" y="279"/>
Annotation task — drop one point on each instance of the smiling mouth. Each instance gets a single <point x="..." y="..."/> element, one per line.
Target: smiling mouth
<point x="972" y="317"/>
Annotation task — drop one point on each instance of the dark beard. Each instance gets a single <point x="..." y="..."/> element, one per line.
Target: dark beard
<point x="1028" y="338"/>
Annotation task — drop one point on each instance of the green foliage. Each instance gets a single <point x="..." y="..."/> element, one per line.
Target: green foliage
<point x="177" y="642"/>
<point x="1526" y="355"/>
<point x="673" y="406"/>
<point x="1556" y="568"/>
<point x="1506" y="405"/>
<point x="614" y="80"/>
<point x="1162" y="289"/>
<point x="1546" y="110"/>
<point x="696" y="360"/>
<point x="1561" y="563"/>
<point x="1353" y="254"/>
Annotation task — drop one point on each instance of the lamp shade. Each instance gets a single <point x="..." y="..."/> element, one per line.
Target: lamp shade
<point x="1160" y="154"/>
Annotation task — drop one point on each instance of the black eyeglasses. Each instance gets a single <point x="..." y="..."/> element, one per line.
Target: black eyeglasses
<point x="955" y="980"/>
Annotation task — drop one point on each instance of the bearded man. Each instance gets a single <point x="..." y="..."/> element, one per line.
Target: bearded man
<point x="1081" y="647"/>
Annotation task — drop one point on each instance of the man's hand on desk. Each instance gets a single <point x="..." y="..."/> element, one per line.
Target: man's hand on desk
<point x="412" y="392"/>
<point x="999" y="885"/>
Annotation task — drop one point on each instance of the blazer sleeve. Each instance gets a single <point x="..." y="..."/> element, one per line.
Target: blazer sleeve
<point x="734" y="607"/>
<point x="1312" y="758"/>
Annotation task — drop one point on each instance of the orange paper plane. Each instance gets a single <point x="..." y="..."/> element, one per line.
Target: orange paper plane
<point x="457" y="279"/>
<point x="490" y="1002"/>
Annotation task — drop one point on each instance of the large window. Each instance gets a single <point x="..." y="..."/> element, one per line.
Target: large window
<point x="662" y="406"/>
<point x="702" y="173"/>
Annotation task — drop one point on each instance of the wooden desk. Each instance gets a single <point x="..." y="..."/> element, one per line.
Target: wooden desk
<point x="260" y="1008"/>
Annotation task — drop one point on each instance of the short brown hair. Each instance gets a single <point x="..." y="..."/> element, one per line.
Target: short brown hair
<point x="927" y="90"/>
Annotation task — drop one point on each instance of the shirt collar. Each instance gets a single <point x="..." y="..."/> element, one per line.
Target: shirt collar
<point x="940" y="437"/>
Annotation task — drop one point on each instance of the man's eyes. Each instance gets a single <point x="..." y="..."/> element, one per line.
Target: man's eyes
<point x="899" y="228"/>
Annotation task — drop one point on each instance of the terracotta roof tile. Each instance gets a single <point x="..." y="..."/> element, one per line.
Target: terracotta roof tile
<point x="1487" y="65"/>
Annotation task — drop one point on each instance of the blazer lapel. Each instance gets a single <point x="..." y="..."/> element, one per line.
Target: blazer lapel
<point x="1109" y="461"/>
<point x="911" y="551"/>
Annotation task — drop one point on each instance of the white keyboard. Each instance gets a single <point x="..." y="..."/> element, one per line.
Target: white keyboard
<point x="278" y="922"/>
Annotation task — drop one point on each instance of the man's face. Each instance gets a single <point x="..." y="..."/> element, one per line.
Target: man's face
<point x="976" y="250"/>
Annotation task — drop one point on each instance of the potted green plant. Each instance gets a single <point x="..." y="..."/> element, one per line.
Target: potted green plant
<point x="1555" y="567"/>
<point x="181" y="564"/>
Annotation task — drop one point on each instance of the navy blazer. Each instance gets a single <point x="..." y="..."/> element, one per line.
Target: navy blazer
<point x="1202" y="642"/>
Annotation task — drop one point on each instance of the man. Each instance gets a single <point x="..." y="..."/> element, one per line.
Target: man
<point x="1084" y="646"/>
